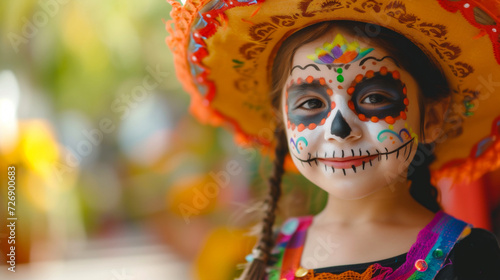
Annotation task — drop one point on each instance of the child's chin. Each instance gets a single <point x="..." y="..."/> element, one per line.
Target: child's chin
<point x="348" y="188"/>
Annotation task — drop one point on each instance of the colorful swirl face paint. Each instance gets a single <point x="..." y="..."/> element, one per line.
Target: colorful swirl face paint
<point x="299" y="144"/>
<point x="339" y="51"/>
<point x="403" y="135"/>
<point x="347" y="117"/>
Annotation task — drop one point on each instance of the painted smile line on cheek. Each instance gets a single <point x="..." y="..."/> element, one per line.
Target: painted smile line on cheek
<point x="355" y="161"/>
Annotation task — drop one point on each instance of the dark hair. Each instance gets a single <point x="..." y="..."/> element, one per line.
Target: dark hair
<point x="433" y="88"/>
<point x="262" y="251"/>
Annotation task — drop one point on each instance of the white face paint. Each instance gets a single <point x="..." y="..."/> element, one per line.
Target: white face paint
<point x="351" y="131"/>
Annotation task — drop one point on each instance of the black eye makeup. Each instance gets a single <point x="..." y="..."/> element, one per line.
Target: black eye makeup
<point x="308" y="103"/>
<point x="379" y="96"/>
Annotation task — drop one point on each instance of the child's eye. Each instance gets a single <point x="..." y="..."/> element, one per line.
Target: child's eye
<point x="374" y="99"/>
<point x="380" y="96"/>
<point x="312" y="104"/>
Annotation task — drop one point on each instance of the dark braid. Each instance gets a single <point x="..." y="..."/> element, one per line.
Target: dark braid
<point x="256" y="270"/>
<point x="421" y="188"/>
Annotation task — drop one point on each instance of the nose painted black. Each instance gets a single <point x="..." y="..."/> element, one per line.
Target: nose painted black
<point x="340" y="127"/>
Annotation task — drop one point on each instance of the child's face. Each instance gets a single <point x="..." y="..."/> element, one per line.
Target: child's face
<point x="352" y="126"/>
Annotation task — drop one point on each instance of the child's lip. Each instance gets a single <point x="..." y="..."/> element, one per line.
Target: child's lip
<point x="346" y="162"/>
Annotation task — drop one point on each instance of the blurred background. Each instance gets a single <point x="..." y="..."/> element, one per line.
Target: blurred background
<point x="114" y="179"/>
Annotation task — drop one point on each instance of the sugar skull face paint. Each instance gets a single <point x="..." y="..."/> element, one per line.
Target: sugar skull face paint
<point x="379" y="95"/>
<point x="403" y="135"/>
<point x="311" y="110"/>
<point x="339" y="52"/>
<point x="299" y="143"/>
<point x="350" y="136"/>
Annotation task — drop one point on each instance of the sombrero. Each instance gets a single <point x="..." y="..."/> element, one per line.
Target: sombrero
<point x="224" y="50"/>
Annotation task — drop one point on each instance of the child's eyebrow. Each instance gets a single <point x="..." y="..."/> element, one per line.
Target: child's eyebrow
<point x="314" y="86"/>
<point x="379" y="60"/>
<point x="304" y="68"/>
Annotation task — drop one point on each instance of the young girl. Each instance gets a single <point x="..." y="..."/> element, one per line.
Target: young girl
<point x="363" y="94"/>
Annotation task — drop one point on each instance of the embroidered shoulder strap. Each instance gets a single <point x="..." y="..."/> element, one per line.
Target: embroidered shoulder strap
<point x="288" y="249"/>
<point x="449" y="231"/>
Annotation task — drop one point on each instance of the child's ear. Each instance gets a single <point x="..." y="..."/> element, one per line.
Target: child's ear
<point x="434" y="118"/>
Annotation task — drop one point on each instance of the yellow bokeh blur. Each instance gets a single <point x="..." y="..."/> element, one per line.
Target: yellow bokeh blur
<point x="225" y="248"/>
<point x="106" y="154"/>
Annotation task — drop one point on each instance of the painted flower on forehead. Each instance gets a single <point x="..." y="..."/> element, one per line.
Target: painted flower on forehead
<point x="339" y="51"/>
